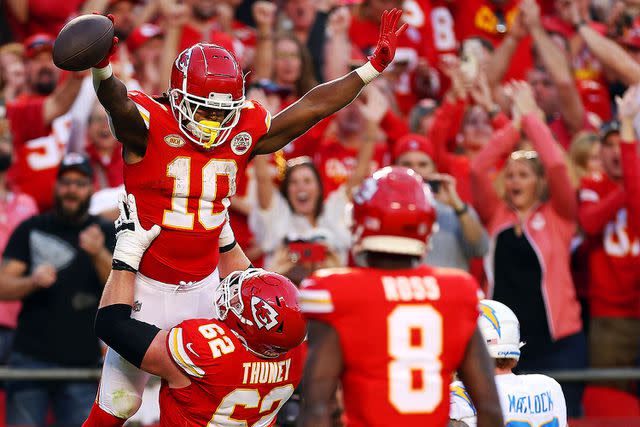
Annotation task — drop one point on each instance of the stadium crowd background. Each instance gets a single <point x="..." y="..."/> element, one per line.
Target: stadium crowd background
<point x="452" y="106"/>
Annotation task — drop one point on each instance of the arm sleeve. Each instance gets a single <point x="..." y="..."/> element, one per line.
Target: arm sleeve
<point x="227" y="239"/>
<point x="18" y="246"/>
<point x="485" y="198"/>
<point x="394" y="127"/>
<point x="595" y="212"/>
<point x="317" y="301"/>
<point x="561" y="191"/>
<point x="631" y="179"/>
<point x="447" y="117"/>
<point x="179" y="340"/>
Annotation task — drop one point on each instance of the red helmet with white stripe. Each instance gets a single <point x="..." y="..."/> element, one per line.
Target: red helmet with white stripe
<point x="393" y="213"/>
<point x="262" y="309"/>
<point x="206" y="76"/>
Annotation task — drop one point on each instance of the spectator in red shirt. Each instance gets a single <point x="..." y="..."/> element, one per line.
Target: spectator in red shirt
<point x="145" y="45"/>
<point x="104" y="151"/>
<point x="205" y="24"/>
<point x="336" y="158"/>
<point x="551" y="78"/>
<point x="39" y="140"/>
<point x="15" y="207"/>
<point x="13" y="78"/>
<point x="610" y="217"/>
<point x="40" y="16"/>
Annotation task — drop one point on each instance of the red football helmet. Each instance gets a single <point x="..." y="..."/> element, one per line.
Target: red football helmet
<point x="206" y="75"/>
<point x="262" y="309"/>
<point x="393" y="212"/>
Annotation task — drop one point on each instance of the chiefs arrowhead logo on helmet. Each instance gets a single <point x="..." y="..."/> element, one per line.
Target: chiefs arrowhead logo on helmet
<point x="264" y="315"/>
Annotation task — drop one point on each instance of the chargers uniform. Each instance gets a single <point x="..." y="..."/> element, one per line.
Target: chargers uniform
<point x="399" y="351"/>
<point x="526" y="401"/>
<point x="230" y="386"/>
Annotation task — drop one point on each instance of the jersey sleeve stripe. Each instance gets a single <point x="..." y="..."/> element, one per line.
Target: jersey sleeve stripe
<point x="144" y="113"/>
<point x="267" y="121"/>
<point x="316" y="301"/>
<point x="180" y="356"/>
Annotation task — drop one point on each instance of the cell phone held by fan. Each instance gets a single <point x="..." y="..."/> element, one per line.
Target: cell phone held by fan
<point x="307" y="251"/>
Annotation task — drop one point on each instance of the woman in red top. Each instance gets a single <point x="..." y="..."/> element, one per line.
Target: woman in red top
<point x="531" y="227"/>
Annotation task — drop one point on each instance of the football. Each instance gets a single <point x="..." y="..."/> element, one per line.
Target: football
<point x="83" y="42"/>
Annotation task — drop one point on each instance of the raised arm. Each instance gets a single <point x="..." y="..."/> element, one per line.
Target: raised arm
<point x="485" y="198"/>
<point x="140" y="343"/>
<point x="562" y="196"/>
<point x="607" y="51"/>
<point x="125" y="119"/>
<point x="555" y="62"/>
<point x="337" y="46"/>
<point x="61" y="100"/>
<point x="500" y="60"/>
<point x="264" y="13"/>
<point x="327" y="98"/>
<point x="321" y="376"/>
<point x="628" y="110"/>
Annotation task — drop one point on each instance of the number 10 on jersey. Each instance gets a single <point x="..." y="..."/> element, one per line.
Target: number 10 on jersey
<point x="180" y="170"/>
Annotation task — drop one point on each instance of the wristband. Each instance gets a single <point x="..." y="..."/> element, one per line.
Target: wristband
<point x="116" y="264"/>
<point x="462" y="210"/>
<point x="100" y="74"/>
<point x="367" y="72"/>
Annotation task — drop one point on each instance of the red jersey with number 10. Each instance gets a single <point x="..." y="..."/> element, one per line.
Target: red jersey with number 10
<point x="230" y="386"/>
<point x="186" y="189"/>
<point x="402" y="332"/>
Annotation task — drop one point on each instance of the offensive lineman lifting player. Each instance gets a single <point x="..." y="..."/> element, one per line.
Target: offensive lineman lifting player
<point x="182" y="152"/>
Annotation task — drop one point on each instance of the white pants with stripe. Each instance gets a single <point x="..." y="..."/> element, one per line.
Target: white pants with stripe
<point x="163" y="305"/>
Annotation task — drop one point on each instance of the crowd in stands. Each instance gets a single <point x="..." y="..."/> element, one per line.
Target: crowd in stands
<point x="521" y="116"/>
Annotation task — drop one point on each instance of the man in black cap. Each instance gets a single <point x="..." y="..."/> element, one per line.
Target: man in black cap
<point x="57" y="263"/>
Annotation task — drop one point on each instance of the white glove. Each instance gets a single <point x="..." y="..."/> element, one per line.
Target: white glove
<point x="132" y="239"/>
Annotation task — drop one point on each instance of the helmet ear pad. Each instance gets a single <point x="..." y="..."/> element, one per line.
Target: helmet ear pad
<point x="206" y="76"/>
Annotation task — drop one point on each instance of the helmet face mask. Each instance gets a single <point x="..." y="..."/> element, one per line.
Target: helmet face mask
<point x="206" y="76"/>
<point x="261" y="308"/>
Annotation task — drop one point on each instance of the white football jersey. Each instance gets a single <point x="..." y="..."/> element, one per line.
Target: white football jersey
<point x="526" y="401"/>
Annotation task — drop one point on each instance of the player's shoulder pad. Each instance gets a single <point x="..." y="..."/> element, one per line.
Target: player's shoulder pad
<point x="189" y="344"/>
<point x="461" y="404"/>
<point x="542" y="380"/>
<point x="255" y="108"/>
<point x="319" y="291"/>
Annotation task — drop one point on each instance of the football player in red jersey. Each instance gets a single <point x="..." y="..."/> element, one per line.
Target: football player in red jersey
<point x="238" y="369"/>
<point x="394" y="332"/>
<point x="182" y="152"/>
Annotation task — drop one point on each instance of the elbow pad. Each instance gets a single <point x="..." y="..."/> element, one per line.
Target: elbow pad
<point x="130" y="338"/>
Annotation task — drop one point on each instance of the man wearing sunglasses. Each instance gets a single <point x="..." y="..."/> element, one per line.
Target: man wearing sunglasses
<point x="57" y="263"/>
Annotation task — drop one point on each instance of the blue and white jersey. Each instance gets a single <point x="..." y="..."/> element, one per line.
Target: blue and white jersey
<point x="526" y="401"/>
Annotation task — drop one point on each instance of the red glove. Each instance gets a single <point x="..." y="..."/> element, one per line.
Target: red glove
<point x="388" y="39"/>
<point x="112" y="50"/>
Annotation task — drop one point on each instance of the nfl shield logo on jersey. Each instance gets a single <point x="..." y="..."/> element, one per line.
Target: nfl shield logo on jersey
<point x="264" y="315"/>
<point x="174" y="140"/>
<point x="241" y="143"/>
